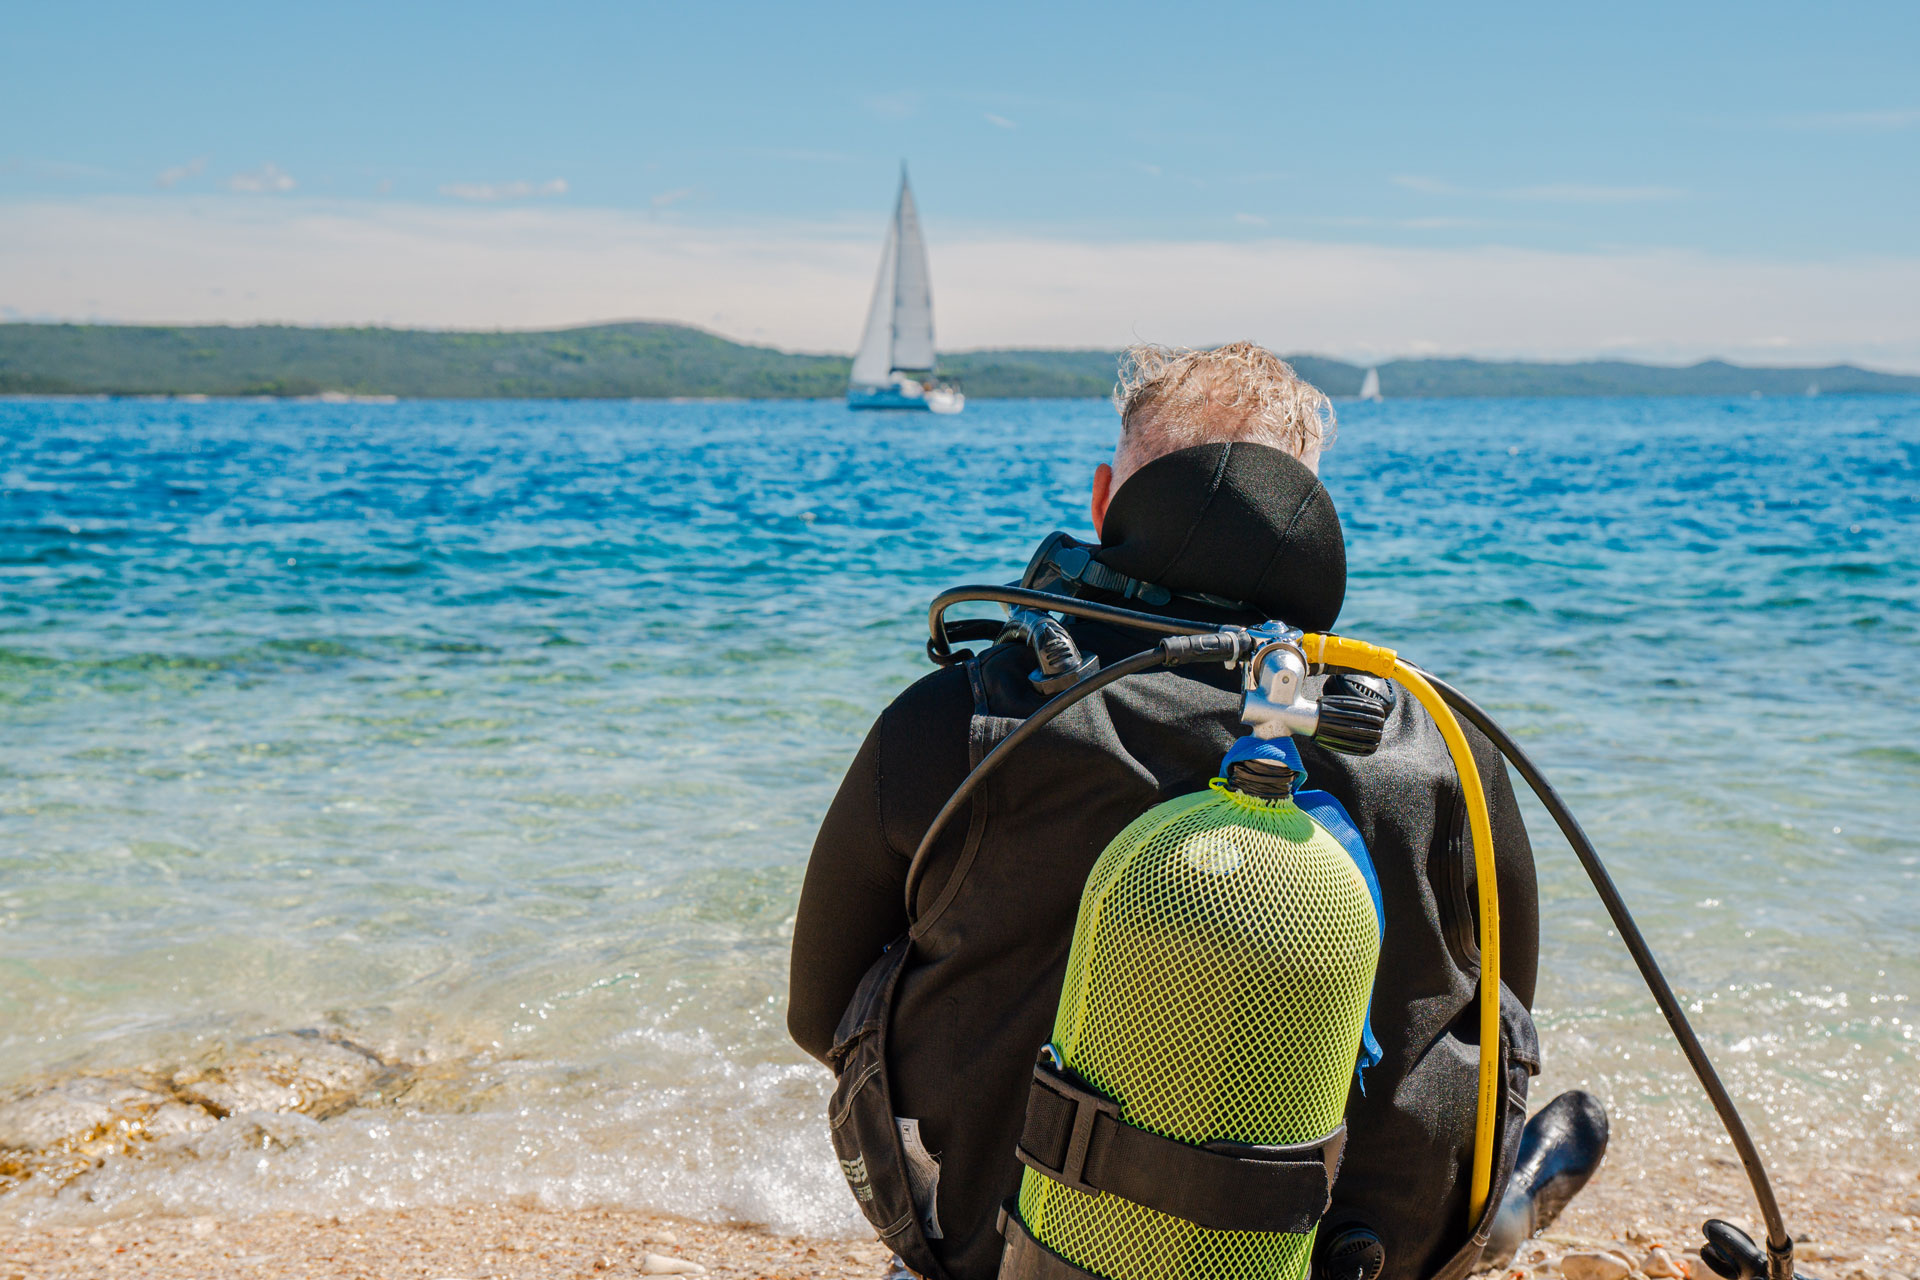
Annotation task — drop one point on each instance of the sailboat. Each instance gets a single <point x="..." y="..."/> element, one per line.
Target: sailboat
<point x="1370" y="385"/>
<point x="894" y="367"/>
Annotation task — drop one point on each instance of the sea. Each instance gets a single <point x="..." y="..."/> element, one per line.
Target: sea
<point x="406" y="804"/>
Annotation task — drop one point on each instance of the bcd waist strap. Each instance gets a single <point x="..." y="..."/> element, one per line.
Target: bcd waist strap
<point x="1027" y="1259"/>
<point x="1074" y="1135"/>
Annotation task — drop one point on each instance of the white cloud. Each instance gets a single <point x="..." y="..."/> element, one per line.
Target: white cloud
<point x="267" y="178"/>
<point x="179" y="173"/>
<point x="805" y="286"/>
<point x="668" y="198"/>
<point x="1551" y="192"/>
<point x="493" y="192"/>
<point x="1249" y="219"/>
<point x="999" y="122"/>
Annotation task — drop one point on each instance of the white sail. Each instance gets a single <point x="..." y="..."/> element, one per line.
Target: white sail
<point x="1370" y="385"/>
<point x="873" y="362"/>
<point x="899" y="333"/>
<point x="912" y="288"/>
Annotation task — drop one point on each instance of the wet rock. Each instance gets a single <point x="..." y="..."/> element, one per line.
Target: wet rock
<point x="172" y="1119"/>
<point x="61" y="1129"/>
<point x="74" y="1110"/>
<point x="254" y="1132"/>
<point x="659" y="1264"/>
<point x="1659" y="1265"/>
<point x="282" y="1073"/>
<point x="1594" y="1266"/>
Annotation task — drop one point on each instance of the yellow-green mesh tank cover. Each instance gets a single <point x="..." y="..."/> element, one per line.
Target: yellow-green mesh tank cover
<point x="1218" y="983"/>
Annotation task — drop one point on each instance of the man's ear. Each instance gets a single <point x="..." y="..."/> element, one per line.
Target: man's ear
<point x="1102" y="495"/>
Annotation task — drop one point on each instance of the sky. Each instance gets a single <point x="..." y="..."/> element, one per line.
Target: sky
<point x="1665" y="182"/>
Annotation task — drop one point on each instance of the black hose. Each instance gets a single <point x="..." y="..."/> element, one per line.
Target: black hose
<point x="1142" y="661"/>
<point x="1779" y="1243"/>
<point x="939" y="649"/>
<point x="963" y="631"/>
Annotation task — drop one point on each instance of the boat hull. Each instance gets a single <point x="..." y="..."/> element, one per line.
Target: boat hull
<point x="884" y="398"/>
<point x="934" y="400"/>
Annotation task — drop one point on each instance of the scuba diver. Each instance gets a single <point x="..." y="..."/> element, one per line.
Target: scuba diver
<point x="929" y="983"/>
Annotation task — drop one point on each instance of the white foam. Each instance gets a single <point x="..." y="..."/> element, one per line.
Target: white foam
<point x="744" y="1143"/>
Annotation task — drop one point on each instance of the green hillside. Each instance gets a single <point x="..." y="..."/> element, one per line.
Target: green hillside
<point x="604" y="360"/>
<point x="1617" y="378"/>
<point x="661" y="360"/>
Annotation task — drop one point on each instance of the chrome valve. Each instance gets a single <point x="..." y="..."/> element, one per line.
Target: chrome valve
<point x="1277" y="705"/>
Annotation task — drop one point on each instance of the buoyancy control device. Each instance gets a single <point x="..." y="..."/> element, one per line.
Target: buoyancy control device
<point x="1184" y="1121"/>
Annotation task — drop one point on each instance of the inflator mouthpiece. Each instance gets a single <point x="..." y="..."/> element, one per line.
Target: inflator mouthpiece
<point x="1731" y="1252"/>
<point x="1061" y="664"/>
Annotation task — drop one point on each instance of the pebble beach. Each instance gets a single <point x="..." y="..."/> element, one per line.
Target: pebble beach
<point x="1852" y="1224"/>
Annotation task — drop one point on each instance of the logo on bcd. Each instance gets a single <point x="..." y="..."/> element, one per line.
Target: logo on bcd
<point x="856" y="1172"/>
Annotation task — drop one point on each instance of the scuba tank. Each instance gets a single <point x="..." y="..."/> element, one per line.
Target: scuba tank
<point x="1212" y="1014"/>
<point x="1215" y="994"/>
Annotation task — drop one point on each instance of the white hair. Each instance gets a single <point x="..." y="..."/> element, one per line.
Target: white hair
<point x="1172" y="399"/>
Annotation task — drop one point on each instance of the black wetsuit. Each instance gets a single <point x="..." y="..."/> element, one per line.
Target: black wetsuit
<point x="980" y="994"/>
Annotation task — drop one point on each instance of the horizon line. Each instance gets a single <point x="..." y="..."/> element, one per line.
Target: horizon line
<point x="1358" y="363"/>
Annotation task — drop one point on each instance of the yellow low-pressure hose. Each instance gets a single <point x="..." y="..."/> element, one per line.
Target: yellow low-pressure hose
<point x="1355" y="655"/>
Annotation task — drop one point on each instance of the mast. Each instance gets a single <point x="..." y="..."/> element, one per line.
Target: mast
<point x="912" y="288"/>
<point x="899" y="332"/>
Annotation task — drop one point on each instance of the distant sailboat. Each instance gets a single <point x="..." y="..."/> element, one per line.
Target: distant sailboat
<point x="1370" y="387"/>
<point x="894" y="368"/>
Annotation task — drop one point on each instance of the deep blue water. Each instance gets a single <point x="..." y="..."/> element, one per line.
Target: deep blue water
<point x="493" y="735"/>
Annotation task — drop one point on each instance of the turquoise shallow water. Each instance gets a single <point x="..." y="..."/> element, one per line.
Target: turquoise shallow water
<point x="490" y="737"/>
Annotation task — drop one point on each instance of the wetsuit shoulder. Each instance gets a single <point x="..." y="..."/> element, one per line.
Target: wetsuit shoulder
<point x="922" y="754"/>
<point x="852" y="901"/>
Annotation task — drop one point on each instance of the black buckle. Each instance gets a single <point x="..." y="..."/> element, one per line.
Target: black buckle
<point x="1088" y="1107"/>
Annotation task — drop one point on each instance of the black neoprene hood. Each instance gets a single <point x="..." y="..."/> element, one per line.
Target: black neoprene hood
<point x="1244" y="521"/>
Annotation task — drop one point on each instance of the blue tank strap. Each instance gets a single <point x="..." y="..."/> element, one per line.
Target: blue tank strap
<point x="1331" y="814"/>
<point x="1279" y="750"/>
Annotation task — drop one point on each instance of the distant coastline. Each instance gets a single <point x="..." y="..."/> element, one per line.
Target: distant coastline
<point x="666" y="361"/>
